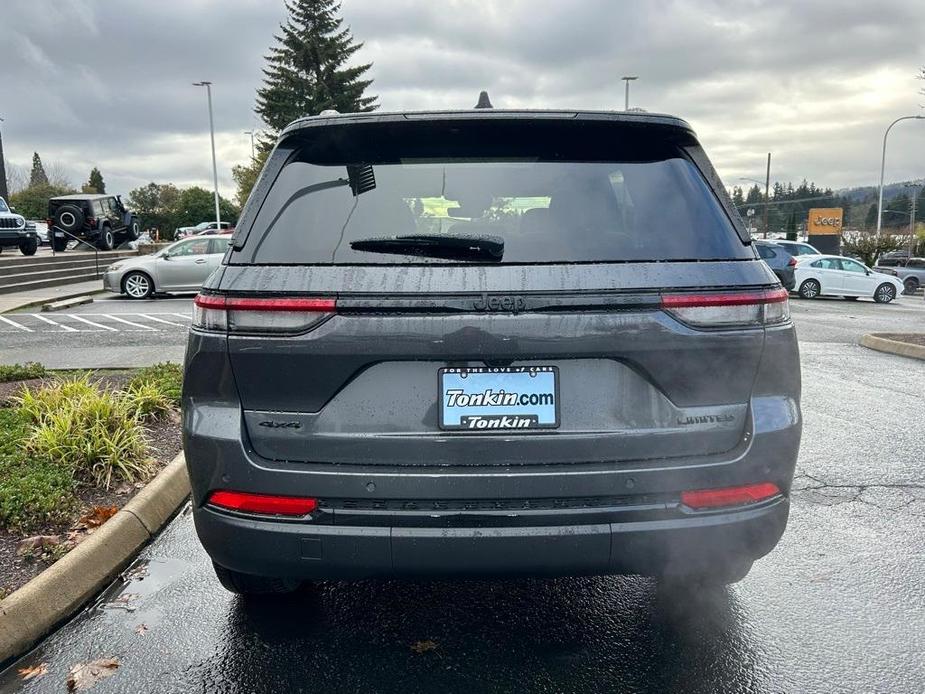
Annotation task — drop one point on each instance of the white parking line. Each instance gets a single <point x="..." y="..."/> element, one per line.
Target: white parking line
<point x="51" y="322"/>
<point x="182" y="315"/>
<point x="16" y="325"/>
<point x="159" y="320"/>
<point x="90" y="322"/>
<point x="128" y="322"/>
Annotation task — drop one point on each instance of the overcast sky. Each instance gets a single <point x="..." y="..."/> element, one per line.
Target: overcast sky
<point x="815" y="82"/>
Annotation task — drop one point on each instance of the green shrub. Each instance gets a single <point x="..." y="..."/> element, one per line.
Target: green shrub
<point x="21" y="372"/>
<point x="34" y="492"/>
<point x="146" y="400"/>
<point x="869" y="247"/>
<point x="96" y="434"/>
<point x="167" y="377"/>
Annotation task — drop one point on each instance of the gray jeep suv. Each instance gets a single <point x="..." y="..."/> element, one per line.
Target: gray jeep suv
<point x="489" y="342"/>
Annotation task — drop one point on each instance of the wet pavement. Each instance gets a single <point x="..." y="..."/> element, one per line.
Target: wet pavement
<point x="838" y="606"/>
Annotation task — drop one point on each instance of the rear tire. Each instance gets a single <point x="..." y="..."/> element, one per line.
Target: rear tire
<point x="133" y="230"/>
<point x="910" y="285"/>
<point x="137" y="285"/>
<point x="106" y="241"/>
<point x="810" y="289"/>
<point x="885" y="293"/>
<point x="248" y="584"/>
<point x="28" y="246"/>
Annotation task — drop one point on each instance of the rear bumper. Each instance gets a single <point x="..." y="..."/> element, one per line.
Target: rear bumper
<point x="655" y="547"/>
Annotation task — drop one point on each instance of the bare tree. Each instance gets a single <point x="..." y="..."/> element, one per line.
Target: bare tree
<point x="17" y="177"/>
<point x="58" y="175"/>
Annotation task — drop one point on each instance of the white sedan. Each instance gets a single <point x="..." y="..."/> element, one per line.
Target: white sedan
<point x="835" y="275"/>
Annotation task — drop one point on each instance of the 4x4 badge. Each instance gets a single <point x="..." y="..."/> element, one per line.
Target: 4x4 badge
<point x="270" y="424"/>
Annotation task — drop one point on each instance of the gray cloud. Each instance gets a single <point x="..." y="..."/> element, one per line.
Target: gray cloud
<point x="90" y="82"/>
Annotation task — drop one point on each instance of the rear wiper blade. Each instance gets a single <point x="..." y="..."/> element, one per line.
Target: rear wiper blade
<point x="436" y="246"/>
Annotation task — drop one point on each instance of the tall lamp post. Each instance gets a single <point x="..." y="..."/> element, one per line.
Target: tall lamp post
<point x="883" y="166"/>
<point x="628" y="79"/>
<point x="916" y="190"/>
<point x="4" y="192"/>
<point x="767" y="192"/>
<point x="218" y="214"/>
<point x="251" y="133"/>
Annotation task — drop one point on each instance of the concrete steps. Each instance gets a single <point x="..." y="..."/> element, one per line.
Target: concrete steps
<point x="23" y="273"/>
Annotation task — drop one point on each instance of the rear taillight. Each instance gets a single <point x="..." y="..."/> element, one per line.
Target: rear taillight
<point x="91" y="221"/>
<point x="278" y="315"/>
<point x="729" y="496"/>
<point x="267" y="504"/>
<point x="727" y="309"/>
<point x="792" y="262"/>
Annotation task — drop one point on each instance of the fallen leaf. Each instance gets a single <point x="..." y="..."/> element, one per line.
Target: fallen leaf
<point x="424" y="646"/>
<point x="37" y="542"/>
<point x="141" y="629"/>
<point x="96" y="516"/>
<point x="84" y="675"/>
<point x="34" y="671"/>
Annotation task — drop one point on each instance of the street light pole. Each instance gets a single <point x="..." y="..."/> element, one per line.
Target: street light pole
<point x="883" y="166"/>
<point x="251" y="133"/>
<point x="767" y="195"/>
<point x="628" y="79"/>
<point x="218" y="215"/>
<point x="4" y="192"/>
<point x="916" y="190"/>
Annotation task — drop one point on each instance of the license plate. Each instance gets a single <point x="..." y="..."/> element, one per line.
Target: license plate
<point x="507" y="398"/>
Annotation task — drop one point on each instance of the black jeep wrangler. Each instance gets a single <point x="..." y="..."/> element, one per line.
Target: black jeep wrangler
<point x="99" y="220"/>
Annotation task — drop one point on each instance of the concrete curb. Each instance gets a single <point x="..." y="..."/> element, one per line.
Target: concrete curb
<point x="882" y="344"/>
<point x="67" y="303"/>
<point x="38" y="302"/>
<point x="61" y="589"/>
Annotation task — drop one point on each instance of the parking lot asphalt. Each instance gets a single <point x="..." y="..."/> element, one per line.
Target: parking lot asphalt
<point x="110" y="332"/>
<point x="837" y="607"/>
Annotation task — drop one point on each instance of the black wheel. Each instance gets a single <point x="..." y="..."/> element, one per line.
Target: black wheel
<point x="60" y="245"/>
<point x="716" y="576"/>
<point x="248" y="584"/>
<point x="810" y="289"/>
<point x="133" y="230"/>
<point x="107" y="240"/>
<point x="137" y="285"/>
<point x="29" y="246"/>
<point x="885" y="293"/>
<point x="910" y="285"/>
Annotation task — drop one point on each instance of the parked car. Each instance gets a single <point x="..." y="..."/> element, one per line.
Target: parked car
<point x="97" y="220"/>
<point x="835" y="275"/>
<point x="492" y="389"/>
<point x="41" y="230"/>
<point x="797" y="248"/>
<point x="181" y="267"/>
<point x="779" y="260"/>
<point x="15" y="232"/>
<point x="183" y="232"/>
<point x="910" y="270"/>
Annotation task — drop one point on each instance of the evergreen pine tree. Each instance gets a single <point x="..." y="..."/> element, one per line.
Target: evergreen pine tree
<point x="95" y="184"/>
<point x="307" y="71"/>
<point x="37" y="177"/>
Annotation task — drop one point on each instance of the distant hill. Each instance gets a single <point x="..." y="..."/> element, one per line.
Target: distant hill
<point x="869" y="193"/>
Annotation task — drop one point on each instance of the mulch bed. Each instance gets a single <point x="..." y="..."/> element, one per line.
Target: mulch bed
<point x="164" y="445"/>
<point x="910" y="338"/>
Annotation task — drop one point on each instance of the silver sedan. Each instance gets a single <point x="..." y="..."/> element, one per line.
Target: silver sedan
<point x="181" y="267"/>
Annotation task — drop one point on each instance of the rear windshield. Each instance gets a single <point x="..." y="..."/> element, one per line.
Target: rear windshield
<point x="650" y="204"/>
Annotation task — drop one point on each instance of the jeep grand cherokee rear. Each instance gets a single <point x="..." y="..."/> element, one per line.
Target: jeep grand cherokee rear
<point x="489" y="342"/>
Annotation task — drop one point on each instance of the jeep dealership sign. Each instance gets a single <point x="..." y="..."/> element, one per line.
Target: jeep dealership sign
<point x="824" y="221"/>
